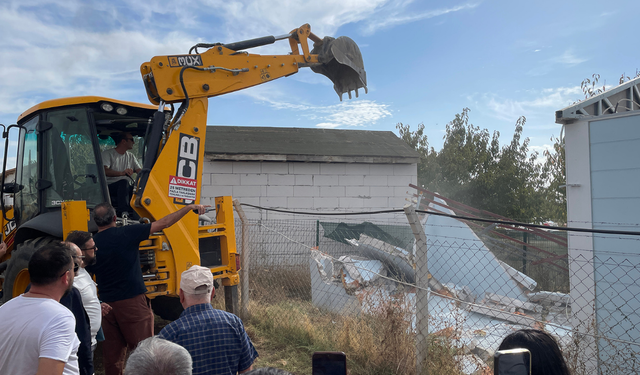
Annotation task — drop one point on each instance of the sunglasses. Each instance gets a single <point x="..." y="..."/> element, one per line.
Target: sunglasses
<point x="94" y="248"/>
<point x="75" y="269"/>
<point x="76" y="266"/>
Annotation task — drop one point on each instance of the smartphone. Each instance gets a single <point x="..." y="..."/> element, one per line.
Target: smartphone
<point x="329" y="363"/>
<point x="512" y="362"/>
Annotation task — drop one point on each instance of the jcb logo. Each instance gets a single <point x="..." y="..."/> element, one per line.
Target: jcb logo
<point x="185" y="60"/>
<point x="9" y="227"/>
<point x="187" y="161"/>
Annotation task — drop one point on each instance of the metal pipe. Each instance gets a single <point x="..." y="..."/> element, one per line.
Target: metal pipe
<point x="251" y="43"/>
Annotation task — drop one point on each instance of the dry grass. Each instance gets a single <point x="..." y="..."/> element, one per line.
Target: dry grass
<point x="273" y="284"/>
<point x="616" y="358"/>
<point x="290" y="331"/>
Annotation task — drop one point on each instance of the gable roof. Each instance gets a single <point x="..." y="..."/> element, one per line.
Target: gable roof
<point x="622" y="98"/>
<point x="306" y="145"/>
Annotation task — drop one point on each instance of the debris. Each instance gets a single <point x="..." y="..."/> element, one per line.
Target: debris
<point x="506" y="301"/>
<point x="394" y="258"/>
<point x="458" y="256"/>
<point x="462" y="293"/>
<point x="523" y="280"/>
<point x="360" y="272"/>
<point x="550" y="298"/>
<point x="474" y="300"/>
<point x="509" y="316"/>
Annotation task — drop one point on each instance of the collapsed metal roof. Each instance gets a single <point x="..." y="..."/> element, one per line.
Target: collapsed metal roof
<point x="622" y="98"/>
<point x="253" y="143"/>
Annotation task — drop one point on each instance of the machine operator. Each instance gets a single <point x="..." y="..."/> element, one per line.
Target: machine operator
<point x="119" y="165"/>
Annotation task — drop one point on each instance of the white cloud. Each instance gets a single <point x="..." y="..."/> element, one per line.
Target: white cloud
<point x="327" y="125"/>
<point x="356" y="114"/>
<point x="540" y="150"/>
<point x="50" y="60"/>
<point x="248" y="19"/>
<point x="397" y="14"/>
<point x="51" y="54"/>
<point x="539" y="103"/>
<point x="567" y="59"/>
<point x="54" y="51"/>
<point x="11" y="162"/>
<point x="608" y="13"/>
<point x="349" y="113"/>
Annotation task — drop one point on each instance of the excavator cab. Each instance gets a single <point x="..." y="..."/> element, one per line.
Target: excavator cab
<point x="59" y="155"/>
<point x="59" y="159"/>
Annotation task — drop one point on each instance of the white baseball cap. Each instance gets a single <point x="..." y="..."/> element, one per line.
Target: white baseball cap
<point x="197" y="280"/>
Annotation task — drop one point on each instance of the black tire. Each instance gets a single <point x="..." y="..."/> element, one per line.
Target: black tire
<point x="166" y="307"/>
<point x="20" y="261"/>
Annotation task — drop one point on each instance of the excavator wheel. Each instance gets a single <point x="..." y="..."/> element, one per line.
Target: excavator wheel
<point x="16" y="277"/>
<point x="341" y="62"/>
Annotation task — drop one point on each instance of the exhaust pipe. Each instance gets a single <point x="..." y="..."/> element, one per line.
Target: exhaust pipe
<point x="341" y="62"/>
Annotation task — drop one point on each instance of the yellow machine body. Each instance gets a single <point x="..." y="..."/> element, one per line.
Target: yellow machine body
<point x="171" y="177"/>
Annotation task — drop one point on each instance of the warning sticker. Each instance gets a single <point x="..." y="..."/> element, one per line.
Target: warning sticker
<point x="182" y="187"/>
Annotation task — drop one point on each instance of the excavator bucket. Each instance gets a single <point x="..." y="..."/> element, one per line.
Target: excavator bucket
<point x="341" y="62"/>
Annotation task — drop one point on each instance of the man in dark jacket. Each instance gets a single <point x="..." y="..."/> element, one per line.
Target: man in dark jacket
<point x="120" y="282"/>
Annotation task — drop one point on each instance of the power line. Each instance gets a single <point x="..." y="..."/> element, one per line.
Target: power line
<point x="468" y="218"/>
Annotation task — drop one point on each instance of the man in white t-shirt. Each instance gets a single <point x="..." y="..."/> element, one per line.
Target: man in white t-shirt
<point x="119" y="164"/>
<point x="83" y="281"/>
<point x="38" y="333"/>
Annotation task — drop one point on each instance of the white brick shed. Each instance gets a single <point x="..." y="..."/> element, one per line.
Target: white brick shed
<point x="323" y="170"/>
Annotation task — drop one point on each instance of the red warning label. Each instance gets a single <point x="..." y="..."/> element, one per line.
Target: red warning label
<point x="182" y="187"/>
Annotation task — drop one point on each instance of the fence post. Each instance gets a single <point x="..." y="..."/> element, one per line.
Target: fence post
<point x="244" y="262"/>
<point x="422" y="291"/>
<point x="525" y="239"/>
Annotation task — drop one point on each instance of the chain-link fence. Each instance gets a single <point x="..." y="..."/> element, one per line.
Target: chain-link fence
<point x="442" y="298"/>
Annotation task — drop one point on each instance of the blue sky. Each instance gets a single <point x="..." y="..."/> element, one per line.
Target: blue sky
<point x="425" y="60"/>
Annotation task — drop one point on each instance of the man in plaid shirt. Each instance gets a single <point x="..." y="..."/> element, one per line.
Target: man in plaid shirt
<point x="216" y="339"/>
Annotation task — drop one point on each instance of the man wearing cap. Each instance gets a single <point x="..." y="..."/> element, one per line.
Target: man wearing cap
<point x="216" y="339"/>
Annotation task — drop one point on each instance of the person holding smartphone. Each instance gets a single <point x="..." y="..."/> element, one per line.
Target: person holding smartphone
<point x="546" y="356"/>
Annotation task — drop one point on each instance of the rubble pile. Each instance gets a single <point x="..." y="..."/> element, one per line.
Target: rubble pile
<point x="473" y="297"/>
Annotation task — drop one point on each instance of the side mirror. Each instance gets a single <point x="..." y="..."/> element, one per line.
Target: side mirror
<point x="12" y="188"/>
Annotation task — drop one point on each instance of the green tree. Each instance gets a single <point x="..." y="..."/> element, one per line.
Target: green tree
<point x="419" y="141"/>
<point x="467" y="158"/>
<point x="517" y="182"/>
<point x="473" y="169"/>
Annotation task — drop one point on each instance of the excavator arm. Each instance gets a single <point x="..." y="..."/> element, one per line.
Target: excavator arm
<point x="226" y="68"/>
<point x="172" y="171"/>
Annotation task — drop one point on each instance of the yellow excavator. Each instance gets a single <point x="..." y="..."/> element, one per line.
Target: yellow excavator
<point x="59" y="176"/>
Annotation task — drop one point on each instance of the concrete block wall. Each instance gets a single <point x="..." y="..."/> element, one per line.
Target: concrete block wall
<point x="321" y="187"/>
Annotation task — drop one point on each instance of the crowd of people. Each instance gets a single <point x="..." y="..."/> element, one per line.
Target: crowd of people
<point x="54" y="327"/>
